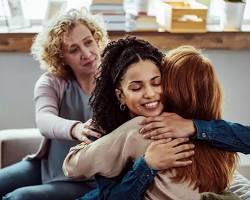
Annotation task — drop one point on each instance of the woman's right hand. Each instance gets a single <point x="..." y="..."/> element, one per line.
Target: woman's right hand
<point x="82" y="132"/>
<point x="167" y="153"/>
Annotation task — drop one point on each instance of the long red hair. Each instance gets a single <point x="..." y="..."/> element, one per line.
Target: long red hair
<point x="192" y="90"/>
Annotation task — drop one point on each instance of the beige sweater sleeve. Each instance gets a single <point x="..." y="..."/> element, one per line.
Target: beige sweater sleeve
<point x="108" y="155"/>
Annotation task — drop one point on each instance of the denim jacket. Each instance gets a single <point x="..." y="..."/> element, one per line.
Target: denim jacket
<point x="224" y="135"/>
<point x="134" y="182"/>
<point x="129" y="185"/>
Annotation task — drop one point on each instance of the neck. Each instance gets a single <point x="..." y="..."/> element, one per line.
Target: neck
<point x="87" y="83"/>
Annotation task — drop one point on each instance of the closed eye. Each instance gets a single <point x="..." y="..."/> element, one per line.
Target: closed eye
<point x="88" y="42"/>
<point x="73" y="50"/>
<point x="156" y="81"/>
<point x="135" y="87"/>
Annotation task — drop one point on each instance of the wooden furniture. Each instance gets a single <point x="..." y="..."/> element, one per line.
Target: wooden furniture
<point x="180" y="16"/>
<point x="213" y="39"/>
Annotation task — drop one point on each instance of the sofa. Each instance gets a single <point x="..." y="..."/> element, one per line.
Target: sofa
<point x="16" y="143"/>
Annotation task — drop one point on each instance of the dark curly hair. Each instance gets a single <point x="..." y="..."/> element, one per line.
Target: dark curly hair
<point x="116" y="57"/>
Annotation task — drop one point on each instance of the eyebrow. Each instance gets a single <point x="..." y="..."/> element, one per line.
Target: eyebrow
<point x="75" y="44"/>
<point x="138" y="82"/>
<point x="89" y="36"/>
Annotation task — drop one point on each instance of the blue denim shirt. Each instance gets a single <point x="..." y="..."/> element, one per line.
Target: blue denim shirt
<point x="134" y="182"/>
<point x="130" y="185"/>
<point x="224" y="135"/>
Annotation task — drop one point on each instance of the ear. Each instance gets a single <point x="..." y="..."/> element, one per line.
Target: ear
<point x="120" y="96"/>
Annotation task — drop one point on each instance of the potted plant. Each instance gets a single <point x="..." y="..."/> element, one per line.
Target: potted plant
<point x="233" y="14"/>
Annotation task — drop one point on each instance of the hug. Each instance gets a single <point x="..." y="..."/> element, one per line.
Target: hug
<point x="122" y="120"/>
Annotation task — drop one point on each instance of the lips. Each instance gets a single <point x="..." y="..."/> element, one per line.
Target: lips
<point x="88" y="62"/>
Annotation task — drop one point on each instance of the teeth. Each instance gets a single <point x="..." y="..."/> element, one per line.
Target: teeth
<point x="151" y="104"/>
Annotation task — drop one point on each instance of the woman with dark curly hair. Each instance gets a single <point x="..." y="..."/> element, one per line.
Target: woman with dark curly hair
<point x="109" y="111"/>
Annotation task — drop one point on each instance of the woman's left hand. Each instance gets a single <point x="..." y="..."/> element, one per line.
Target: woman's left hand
<point x="167" y="125"/>
<point x="168" y="153"/>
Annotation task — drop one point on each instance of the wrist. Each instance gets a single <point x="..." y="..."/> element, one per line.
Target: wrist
<point x="149" y="162"/>
<point x="194" y="134"/>
<point x="145" y="163"/>
<point x="73" y="130"/>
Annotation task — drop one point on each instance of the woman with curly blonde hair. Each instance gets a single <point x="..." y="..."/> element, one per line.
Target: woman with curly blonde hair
<point x="69" y="50"/>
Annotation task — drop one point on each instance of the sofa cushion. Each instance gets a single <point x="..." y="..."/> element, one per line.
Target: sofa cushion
<point x="17" y="143"/>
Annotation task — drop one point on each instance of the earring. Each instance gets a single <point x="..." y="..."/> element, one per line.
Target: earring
<point x="122" y="107"/>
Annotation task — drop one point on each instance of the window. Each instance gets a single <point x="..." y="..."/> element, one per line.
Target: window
<point x="36" y="15"/>
<point x="216" y="11"/>
<point x="39" y="14"/>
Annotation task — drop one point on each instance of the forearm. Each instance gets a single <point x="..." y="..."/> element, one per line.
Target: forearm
<point x="48" y="93"/>
<point x="52" y="126"/>
<point x="108" y="155"/>
<point x="86" y="160"/>
<point x="225" y="135"/>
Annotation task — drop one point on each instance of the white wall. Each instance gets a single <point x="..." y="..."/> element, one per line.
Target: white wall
<point x="19" y="72"/>
<point x="233" y="70"/>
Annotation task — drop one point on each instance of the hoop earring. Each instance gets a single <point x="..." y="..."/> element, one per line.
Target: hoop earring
<point x="122" y="107"/>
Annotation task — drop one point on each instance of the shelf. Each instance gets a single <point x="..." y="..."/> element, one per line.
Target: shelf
<point x="213" y="39"/>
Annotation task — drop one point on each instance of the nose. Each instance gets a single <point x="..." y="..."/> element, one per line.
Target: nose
<point x="149" y="92"/>
<point x="85" y="53"/>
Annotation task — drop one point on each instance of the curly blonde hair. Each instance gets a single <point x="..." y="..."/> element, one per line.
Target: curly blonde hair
<point x="47" y="46"/>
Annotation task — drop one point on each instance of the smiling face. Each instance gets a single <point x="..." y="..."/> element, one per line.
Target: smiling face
<point x="140" y="89"/>
<point x="81" y="51"/>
